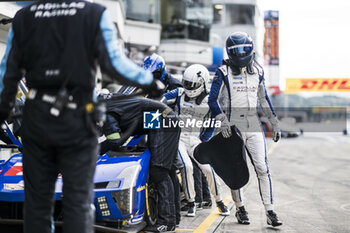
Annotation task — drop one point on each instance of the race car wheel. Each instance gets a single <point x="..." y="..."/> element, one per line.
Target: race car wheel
<point x="151" y="212"/>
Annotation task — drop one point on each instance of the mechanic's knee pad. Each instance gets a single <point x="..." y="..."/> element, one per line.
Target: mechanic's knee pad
<point x="158" y="174"/>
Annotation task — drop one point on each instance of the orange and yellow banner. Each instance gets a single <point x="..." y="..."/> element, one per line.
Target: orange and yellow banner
<point x="295" y="85"/>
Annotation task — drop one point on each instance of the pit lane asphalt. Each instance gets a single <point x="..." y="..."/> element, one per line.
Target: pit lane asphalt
<point x="311" y="186"/>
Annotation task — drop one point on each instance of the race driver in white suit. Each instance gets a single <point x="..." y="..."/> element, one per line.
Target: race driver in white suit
<point x="191" y="103"/>
<point x="236" y="89"/>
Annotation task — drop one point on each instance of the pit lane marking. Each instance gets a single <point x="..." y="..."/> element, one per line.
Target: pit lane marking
<point x="211" y="218"/>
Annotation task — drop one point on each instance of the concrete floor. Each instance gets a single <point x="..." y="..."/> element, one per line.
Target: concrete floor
<point x="311" y="185"/>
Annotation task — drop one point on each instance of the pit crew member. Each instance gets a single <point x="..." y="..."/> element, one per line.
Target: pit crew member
<point x="191" y="102"/>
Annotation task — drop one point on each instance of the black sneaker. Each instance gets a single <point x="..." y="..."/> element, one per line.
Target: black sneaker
<point x="185" y="207"/>
<point x="199" y="206"/>
<point x="222" y="208"/>
<point x="192" y="210"/>
<point x="272" y="219"/>
<point x="207" y="204"/>
<point x="242" y="216"/>
<point x="159" y="228"/>
<point x="171" y="228"/>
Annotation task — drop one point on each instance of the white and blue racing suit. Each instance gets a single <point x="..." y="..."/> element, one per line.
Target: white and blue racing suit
<point x="236" y="97"/>
<point x="190" y="137"/>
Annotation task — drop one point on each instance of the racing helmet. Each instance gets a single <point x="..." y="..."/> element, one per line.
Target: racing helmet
<point x="195" y="80"/>
<point x="156" y="65"/>
<point x="240" y="49"/>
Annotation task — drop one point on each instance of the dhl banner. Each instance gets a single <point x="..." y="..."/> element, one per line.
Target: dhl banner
<point x="295" y="85"/>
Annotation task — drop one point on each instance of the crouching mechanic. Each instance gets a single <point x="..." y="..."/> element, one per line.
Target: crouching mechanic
<point x="191" y="103"/>
<point x="156" y="64"/>
<point x="162" y="143"/>
<point x="236" y="89"/>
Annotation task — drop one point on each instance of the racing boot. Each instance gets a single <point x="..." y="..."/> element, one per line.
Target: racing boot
<point x="159" y="228"/>
<point x="242" y="216"/>
<point x="272" y="219"/>
<point x="222" y="208"/>
<point x="192" y="209"/>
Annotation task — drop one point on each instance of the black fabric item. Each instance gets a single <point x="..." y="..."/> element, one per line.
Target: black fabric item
<point x="227" y="157"/>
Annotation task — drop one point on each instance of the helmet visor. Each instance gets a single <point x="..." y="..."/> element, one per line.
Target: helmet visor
<point x="188" y="85"/>
<point x="240" y="50"/>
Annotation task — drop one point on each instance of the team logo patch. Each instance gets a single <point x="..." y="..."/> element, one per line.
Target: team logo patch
<point x="151" y="120"/>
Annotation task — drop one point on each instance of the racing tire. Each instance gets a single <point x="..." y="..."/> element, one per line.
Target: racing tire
<point x="151" y="211"/>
